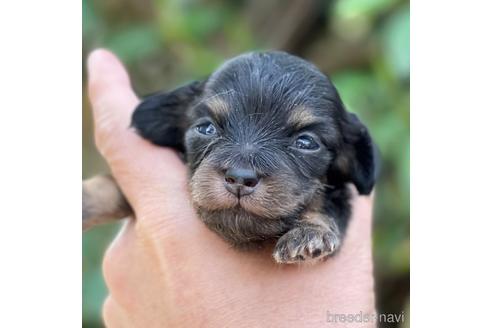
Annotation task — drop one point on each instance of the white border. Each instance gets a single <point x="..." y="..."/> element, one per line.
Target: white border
<point x="451" y="164"/>
<point x="40" y="135"/>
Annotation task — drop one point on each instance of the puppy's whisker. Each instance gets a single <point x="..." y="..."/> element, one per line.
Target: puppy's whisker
<point x="328" y="186"/>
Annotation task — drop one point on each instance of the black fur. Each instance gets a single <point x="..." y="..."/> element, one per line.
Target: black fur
<point x="160" y="117"/>
<point x="258" y="94"/>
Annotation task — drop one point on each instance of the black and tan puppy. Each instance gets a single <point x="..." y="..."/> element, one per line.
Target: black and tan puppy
<point x="270" y="149"/>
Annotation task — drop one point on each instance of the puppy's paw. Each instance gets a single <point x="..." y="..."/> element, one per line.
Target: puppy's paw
<point x="306" y="244"/>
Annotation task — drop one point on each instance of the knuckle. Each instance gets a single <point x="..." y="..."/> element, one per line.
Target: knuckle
<point x="107" y="309"/>
<point x="107" y="137"/>
<point x="116" y="264"/>
<point x="104" y="120"/>
<point x="112" y="266"/>
<point x="109" y="312"/>
<point x="94" y="87"/>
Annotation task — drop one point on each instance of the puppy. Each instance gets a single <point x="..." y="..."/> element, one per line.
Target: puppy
<point x="270" y="149"/>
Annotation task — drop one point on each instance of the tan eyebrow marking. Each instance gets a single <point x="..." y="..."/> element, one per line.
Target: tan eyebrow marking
<point x="301" y="117"/>
<point x="218" y="106"/>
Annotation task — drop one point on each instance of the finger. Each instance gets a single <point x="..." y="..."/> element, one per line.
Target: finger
<point x="113" y="315"/>
<point x="116" y="265"/>
<point x="131" y="270"/>
<point x="112" y="99"/>
<point x="145" y="173"/>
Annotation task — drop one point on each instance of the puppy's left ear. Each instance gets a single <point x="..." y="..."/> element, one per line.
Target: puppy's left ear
<point x="161" y="118"/>
<point x="358" y="159"/>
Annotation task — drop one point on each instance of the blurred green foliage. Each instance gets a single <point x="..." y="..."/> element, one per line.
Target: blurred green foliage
<point x="363" y="45"/>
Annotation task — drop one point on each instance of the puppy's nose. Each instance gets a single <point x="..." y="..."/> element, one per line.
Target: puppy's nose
<point x="240" y="181"/>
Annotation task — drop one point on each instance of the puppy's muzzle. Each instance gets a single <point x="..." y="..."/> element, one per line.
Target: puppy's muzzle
<point x="241" y="181"/>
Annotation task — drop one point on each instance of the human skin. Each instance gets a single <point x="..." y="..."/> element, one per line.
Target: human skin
<point x="166" y="269"/>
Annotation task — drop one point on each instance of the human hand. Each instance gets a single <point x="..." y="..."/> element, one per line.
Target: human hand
<point x="165" y="268"/>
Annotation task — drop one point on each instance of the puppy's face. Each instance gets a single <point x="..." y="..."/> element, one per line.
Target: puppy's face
<point x="252" y="148"/>
<point x="263" y="136"/>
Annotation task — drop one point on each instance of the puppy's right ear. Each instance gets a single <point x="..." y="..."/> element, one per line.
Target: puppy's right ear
<point x="161" y="118"/>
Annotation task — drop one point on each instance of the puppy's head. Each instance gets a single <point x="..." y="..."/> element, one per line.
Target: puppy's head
<point x="264" y="135"/>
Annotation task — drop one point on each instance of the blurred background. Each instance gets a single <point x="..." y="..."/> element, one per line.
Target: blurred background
<point x="363" y="45"/>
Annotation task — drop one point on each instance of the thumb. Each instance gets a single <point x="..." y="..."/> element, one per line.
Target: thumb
<point x="145" y="173"/>
<point x="112" y="99"/>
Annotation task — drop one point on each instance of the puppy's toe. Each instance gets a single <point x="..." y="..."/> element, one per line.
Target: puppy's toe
<point x="306" y="244"/>
<point x="288" y="249"/>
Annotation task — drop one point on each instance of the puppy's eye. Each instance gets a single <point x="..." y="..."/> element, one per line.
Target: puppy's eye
<point x="206" y="128"/>
<point x="306" y="142"/>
